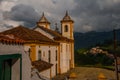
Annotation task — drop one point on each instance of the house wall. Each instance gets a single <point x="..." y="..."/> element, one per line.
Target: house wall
<point x="72" y="55"/>
<point x="26" y="48"/>
<point x="45" y="56"/>
<point x="16" y="69"/>
<point x="26" y="64"/>
<point x="64" y="57"/>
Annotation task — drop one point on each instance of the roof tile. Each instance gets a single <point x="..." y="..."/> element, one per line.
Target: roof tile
<point x="41" y="65"/>
<point x="27" y="34"/>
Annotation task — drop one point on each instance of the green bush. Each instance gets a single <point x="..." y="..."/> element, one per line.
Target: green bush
<point x="92" y="59"/>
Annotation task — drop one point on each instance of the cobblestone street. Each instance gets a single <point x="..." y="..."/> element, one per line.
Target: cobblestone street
<point x="86" y="73"/>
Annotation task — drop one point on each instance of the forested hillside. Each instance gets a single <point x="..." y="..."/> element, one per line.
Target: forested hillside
<point x="89" y="39"/>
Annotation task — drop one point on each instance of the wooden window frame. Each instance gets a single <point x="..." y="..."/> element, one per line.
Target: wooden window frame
<point x="10" y="56"/>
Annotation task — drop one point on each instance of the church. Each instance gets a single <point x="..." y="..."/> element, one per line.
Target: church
<point x="50" y="51"/>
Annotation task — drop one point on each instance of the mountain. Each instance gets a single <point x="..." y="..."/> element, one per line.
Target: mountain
<point x="86" y="40"/>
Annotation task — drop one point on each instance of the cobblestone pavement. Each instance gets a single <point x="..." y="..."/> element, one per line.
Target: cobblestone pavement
<point x="88" y="73"/>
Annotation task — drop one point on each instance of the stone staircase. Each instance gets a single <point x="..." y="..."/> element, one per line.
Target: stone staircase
<point x="36" y="76"/>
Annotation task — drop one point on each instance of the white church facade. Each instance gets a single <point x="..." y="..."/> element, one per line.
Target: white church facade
<point x="65" y="49"/>
<point x="51" y="52"/>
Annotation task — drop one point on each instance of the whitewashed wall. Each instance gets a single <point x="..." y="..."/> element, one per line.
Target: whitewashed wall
<point x="45" y="55"/>
<point x="26" y="64"/>
<point x="66" y="34"/>
<point x="16" y="70"/>
<point x="64" y="57"/>
<point x="26" y="48"/>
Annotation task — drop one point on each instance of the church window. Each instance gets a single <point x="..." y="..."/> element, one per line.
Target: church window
<point x="56" y="55"/>
<point x="44" y="53"/>
<point x="66" y="28"/>
<point x="49" y="56"/>
<point x="39" y="55"/>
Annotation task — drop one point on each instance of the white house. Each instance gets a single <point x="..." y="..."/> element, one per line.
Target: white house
<point x="15" y="64"/>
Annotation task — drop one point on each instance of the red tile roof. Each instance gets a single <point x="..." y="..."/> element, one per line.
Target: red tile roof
<point x="28" y="35"/>
<point x="53" y="33"/>
<point x="41" y="65"/>
<point x="10" y="39"/>
<point x="57" y="36"/>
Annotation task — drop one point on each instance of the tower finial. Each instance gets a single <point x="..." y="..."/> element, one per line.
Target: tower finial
<point x="66" y="13"/>
<point x="44" y="22"/>
<point x="43" y="14"/>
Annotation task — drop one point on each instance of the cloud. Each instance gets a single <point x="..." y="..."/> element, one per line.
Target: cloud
<point x="1" y="1"/>
<point x="6" y="5"/>
<point x="53" y="9"/>
<point x="23" y="13"/>
<point x="12" y="14"/>
<point x="99" y="14"/>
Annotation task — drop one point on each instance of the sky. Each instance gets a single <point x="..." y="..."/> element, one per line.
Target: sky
<point x="88" y="15"/>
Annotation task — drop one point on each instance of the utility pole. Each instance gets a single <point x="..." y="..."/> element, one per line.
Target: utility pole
<point x="115" y="55"/>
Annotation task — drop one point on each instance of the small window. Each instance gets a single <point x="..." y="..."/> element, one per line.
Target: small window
<point x="56" y="55"/>
<point x="44" y="53"/>
<point x="66" y="28"/>
<point x="49" y="56"/>
<point x="39" y="55"/>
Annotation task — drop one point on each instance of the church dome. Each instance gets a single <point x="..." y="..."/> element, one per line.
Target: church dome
<point x="67" y="17"/>
<point x="43" y="19"/>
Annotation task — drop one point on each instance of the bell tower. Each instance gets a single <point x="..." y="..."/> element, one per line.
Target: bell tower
<point x="43" y="22"/>
<point x="67" y="26"/>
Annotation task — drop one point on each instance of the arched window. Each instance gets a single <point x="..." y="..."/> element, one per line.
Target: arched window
<point x="39" y="55"/>
<point x="66" y="28"/>
<point x="49" y="56"/>
<point x="56" y="55"/>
